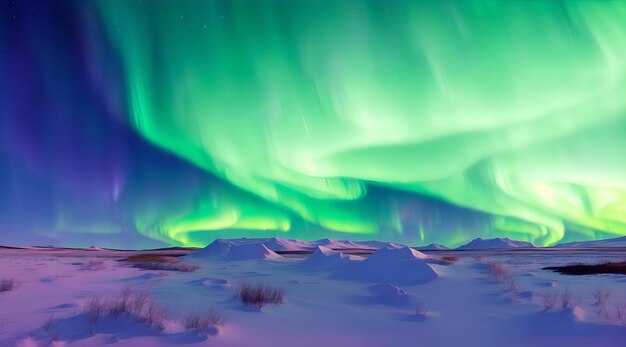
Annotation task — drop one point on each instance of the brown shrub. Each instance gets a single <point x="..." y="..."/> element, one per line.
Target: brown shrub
<point x="449" y="259"/>
<point x="151" y="258"/>
<point x="93" y="265"/>
<point x="203" y="322"/>
<point x="548" y="301"/>
<point x="160" y="262"/>
<point x="7" y="285"/>
<point x="259" y="295"/>
<point x="138" y="306"/>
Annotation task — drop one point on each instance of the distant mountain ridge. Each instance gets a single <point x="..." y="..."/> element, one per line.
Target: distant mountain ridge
<point x="495" y="243"/>
<point x="606" y="243"/>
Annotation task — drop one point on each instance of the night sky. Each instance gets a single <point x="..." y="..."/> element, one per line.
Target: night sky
<point x="155" y="123"/>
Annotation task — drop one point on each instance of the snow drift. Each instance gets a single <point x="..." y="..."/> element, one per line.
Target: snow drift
<point x="397" y="266"/>
<point x="216" y="250"/>
<point x="251" y="251"/>
<point x="326" y="257"/>
<point x="280" y="244"/>
<point x="338" y="244"/>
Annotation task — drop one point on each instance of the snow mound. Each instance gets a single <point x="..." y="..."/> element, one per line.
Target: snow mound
<point x="280" y="244"/>
<point x="216" y="250"/>
<point x="324" y="256"/>
<point x="480" y="243"/>
<point x="338" y="244"/>
<point x="251" y="251"/>
<point x="378" y="244"/>
<point x="614" y="242"/>
<point x="432" y="247"/>
<point x="397" y="254"/>
<point x="386" y="290"/>
<point x="398" y="266"/>
<point x="386" y="294"/>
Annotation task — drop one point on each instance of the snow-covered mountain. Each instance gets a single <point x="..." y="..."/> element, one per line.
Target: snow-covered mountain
<point x="480" y="243"/>
<point x="615" y="242"/>
<point x="432" y="247"/>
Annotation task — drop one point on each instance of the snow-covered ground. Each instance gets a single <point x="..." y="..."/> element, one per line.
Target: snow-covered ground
<point x="396" y="296"/>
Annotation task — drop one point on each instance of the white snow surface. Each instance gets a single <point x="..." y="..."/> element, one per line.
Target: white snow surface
<point x="374" y="302"/>
<point x="221" y="247"/>
<point x="398" y="266"/>
<point x="327" y="257"/>
<point x="251" y="251"/>
<point x="217" y="249"/>
<point x="497" y="243"/>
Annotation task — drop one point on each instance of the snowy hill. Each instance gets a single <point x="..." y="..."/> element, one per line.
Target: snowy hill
<point x="432" y="247"/>
<point x="497" y="243"/>
<point x="326" y="257"/>
<point x="280" y="244"/>
<point x="408" y="267"/>
<point x="251" y="251"/>
<point x="220" y="247"/>
<point x="338" y="244"/>
<point x="615" y="242"/>
<point x="217" y="249"/>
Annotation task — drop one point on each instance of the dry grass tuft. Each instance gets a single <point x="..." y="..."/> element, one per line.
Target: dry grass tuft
<point x="619" y="315"/>
<point x="49" y="323"/>
<point x="127" y="305"/>
<point x="7" y="285"/>
<point x="502" y="275"/>
<point x="548" y="301"/>
<point x="601" y="298"/>
<point x="566" y="299"/>
<point x="93" y="265"/>
<point x="152" y="258"/>
<point x="203" y="322"/>
<point x="160" y="262"/>
<point x="259" y="295"/>
<point x="450" y="259"/>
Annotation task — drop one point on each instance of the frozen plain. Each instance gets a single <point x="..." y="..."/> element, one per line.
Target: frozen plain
<point x="373" y="294"/>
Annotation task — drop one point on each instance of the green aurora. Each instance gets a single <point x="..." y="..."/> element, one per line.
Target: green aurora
<point x="513" y="110"/>
<point x="517" y="109"/>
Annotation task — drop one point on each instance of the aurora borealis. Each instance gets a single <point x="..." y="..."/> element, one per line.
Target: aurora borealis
<point x="142" y="123"/>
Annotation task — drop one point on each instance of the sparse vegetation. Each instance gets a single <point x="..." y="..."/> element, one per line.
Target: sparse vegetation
<point x="160" y="262"/>
<point x="151" y="258"/>
<point x="48" y="324"/>
<point x="203" y="322"/>
<point x="259" y="295"/>
<point x="93" y="265"/>
<point x="619" y="315"/>
<point x="548" y="301"/>
<point x="127" y="305"/>
<point x="7" y="285"/>
<point x="497" y="271"/>
<point x="566" y="299"/>
<point x="450" y="259"/>
<point x="590" y="269"/>
<point x="501" y="274"/>
<point x="601" y="298"/>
